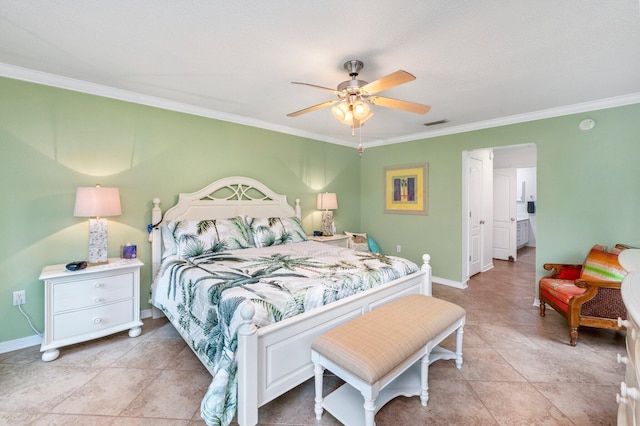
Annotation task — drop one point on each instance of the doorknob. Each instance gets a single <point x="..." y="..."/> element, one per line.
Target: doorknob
<point x="482" y="222"/>
<point x="513" y="219"/>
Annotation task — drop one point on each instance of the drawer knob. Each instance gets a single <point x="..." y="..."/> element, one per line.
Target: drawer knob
<point x="98" y="285"/>
<point x="628" y="392"/>
<point x="96" y="320"/>
<point x="623" y="359"/>
<point x="623" y="323"/>
<point x="97" y="299"/>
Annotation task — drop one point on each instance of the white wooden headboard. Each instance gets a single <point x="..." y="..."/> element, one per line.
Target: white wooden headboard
<point x="225" y="198"/>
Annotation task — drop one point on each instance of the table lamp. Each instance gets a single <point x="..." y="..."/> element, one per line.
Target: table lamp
<point x="327" y="201"/>
<point x="97" y="203"/>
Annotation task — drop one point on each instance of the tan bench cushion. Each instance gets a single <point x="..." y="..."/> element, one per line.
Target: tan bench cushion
<point x="372" y="345"/>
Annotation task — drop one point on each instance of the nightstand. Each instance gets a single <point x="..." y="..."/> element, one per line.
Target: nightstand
<point x="334" y="240"/>
<point x="91" y="303"/>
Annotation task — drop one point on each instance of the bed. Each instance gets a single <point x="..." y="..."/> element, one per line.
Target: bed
<point x="270" y="358"/>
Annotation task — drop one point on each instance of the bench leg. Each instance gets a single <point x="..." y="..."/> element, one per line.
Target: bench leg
<point x="319" y="373"/>
<point x="369" y="412"/>
<point x="459" y="334"/>
<point x="424" y="379"/>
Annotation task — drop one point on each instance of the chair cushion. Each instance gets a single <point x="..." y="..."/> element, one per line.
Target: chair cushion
<point x="601" y="264"/>
<point x="563" y="290"/>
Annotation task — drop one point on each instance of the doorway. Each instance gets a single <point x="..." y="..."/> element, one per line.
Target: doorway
<point x="481" y="191"/>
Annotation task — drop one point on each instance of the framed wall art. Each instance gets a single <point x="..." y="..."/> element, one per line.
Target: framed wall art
<point x="406" y="189"/>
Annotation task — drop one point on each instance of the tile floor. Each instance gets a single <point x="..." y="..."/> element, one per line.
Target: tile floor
<point x="518" y="370"/>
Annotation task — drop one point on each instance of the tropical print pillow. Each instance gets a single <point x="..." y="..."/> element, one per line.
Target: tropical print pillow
<point x="273" y="231"/>
<point x="198" y="237"/>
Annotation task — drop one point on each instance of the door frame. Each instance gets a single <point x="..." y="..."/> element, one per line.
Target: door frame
<point x="465" y="204"/>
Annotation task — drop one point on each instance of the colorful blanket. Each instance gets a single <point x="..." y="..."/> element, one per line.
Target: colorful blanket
<point x="201" y="295"/>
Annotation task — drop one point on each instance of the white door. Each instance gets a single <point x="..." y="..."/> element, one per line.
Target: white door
<point x="475" y="209"/>
<point x="504" y="214"/>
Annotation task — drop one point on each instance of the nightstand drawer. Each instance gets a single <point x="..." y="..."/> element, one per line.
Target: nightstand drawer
<point x="92" y="320"/>
<point x="92" y="292"/>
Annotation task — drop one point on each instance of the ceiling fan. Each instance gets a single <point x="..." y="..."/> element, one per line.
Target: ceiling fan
<point x="353" y="96"/>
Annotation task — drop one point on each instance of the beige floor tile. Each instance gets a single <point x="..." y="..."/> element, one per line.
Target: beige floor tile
<point x="25" y="356"/>
<point x="186" y="360"/>
<point x="590" y="405"/>
<point x="72" y="420"/>
<point x="97" y="353"/>
<point x="173" y="394"/>
<point x="109" y="393"/>
<point x="501" y="336"/>
<point x="13" y="418"/>
<point x="485" y="364"/>
<point x="38" y="387"/>
<point x="518" y="404"/>
<point x="565" y="365"/>
<point x="152" y="353"/>
<point x="443" y="395"/>
<point x="140" y="421"/>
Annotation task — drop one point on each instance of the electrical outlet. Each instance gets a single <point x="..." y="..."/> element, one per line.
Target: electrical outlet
<point x="19" y="297"/>
<point x="398" y="248"/>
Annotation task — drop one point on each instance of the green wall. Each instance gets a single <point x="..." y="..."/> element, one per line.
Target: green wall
<point x="588" y="188"/>
<point x="53" y="140"/>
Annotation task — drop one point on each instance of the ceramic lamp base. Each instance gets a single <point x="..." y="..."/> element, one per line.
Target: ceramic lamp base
<point x="327" y="223"/>
<point x="98" y="241"/>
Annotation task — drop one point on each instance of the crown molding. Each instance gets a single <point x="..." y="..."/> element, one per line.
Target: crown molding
<point x="53" y="80"/>
<point x="617" y="101"/>
<point x="39" y="77"/>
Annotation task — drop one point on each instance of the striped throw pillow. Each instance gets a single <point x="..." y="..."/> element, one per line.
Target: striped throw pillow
<point x="603" y="265"/>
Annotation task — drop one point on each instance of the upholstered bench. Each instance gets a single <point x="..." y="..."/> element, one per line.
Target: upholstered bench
<point x="377" y="355"/>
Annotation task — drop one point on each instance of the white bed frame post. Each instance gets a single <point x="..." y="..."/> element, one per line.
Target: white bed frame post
<point x="247" y="368"/>
<point x="426" y="268"/>
<point x="155" y="236"/>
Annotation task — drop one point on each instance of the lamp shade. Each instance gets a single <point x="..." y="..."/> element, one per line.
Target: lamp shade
<point x="327" y="201"/>
<point x="97" y="202"/>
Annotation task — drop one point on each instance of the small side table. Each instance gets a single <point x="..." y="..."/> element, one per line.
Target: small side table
<point x="90" y="303"/>
<point x="334" y="240"/>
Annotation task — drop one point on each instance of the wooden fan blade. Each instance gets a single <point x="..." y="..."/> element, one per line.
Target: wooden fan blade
<point x="316" y="86"/>
<point x="395" y="79"/>
<point x="312" y="108"/>
<point x="398" y="104"/>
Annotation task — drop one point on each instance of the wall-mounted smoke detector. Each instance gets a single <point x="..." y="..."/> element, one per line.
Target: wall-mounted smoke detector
<point x="587" y="124"/>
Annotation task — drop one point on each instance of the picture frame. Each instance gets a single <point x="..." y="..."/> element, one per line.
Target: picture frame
<point x="406" y="189"/>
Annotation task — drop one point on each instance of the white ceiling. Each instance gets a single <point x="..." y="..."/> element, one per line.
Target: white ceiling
<point x="477" y="63"/>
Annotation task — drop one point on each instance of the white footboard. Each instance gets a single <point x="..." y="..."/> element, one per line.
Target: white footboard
<point x="275" y="359"/>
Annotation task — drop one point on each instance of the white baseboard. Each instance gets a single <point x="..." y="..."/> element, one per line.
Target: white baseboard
<point x="448" y="283"/>
<point x="486" y="268"/>
<point x="25" y="342"/>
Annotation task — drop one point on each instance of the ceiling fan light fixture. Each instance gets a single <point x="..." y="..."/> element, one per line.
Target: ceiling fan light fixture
<point x="343" y="113"/>
<point x="361" y="110"/>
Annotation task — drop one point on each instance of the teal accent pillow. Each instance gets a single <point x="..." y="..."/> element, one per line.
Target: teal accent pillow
<point x="373" y="247"/>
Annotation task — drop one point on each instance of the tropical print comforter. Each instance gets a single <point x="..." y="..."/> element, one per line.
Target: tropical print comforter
<point x="201" y="296"/>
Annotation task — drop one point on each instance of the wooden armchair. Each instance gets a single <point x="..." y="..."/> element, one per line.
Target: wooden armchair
<point x="586" y="294"/>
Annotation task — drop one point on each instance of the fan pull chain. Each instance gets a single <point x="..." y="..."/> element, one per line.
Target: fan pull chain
<point x="360" y="147"/>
